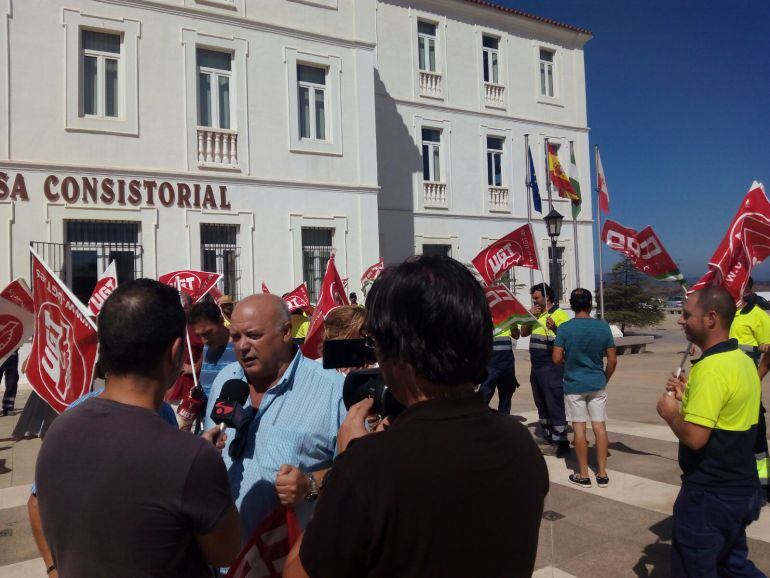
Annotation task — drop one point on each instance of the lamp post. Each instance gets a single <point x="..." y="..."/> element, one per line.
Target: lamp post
<point x="553" y="222"/>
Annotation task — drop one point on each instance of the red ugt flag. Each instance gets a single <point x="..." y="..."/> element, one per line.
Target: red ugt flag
<point x="195" y="283"/>
<point x="515" y="249"/>
<point x="16" y="326"/>
<point x="644" y="249"/>
<point x="18" y="292"/>
<point x="298" y="299"/>
<point x="332" y="295"/>
<point x="61" y="364"/>
<point x="107" y="283"/>
<point x="265" y="553"/>
<point x="746" y="244"/>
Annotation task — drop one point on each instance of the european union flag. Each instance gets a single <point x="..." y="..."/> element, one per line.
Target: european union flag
<point x="533" y="184"/>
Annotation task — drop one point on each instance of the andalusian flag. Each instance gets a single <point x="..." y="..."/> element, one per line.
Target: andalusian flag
<point x="558" y="178"/>
<point x="574" y="180"/>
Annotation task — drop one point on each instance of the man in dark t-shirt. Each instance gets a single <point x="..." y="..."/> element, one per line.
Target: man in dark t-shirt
<point x="120" y="493"/>
<point x="451" y="489"/>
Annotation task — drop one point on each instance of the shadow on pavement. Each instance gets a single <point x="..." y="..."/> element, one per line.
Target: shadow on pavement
<point x="655" y="561"/>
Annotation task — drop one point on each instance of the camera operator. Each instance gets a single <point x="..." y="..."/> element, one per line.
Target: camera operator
<point x="451" y="488"/>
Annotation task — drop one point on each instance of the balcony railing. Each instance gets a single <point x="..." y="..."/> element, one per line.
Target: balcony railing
<point x="494" y="93"/>
<point x="434" y="195"/>
<point x="430" y="83"/>
<point x="499" y="201"/>
<point x="217" y="147"/>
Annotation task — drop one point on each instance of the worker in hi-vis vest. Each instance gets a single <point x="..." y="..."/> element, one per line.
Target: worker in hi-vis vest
<point x="751" y="327"/>
<point x="547" y="378"/>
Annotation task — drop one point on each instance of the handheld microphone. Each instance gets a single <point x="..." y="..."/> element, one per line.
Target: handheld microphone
<point x="228" y="409"/>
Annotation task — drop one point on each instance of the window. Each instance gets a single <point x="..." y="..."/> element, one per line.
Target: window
<point x="311" y="84"/>
<point x="317" y="247"/>
<point x="100" y="64"/>
<point x="494" y="161"/>
<point x="214" y="88"/>
<point x="546" y="72"/>
<point x="89" y="248"/>
<point x="431" y="154"/>
<point x="491" y="59"/>
<point x="220" y="253"/>
<point x="436" y="249"/>
<point x="426" y="46"/>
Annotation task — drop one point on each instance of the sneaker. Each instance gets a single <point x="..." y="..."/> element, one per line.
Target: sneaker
<point x="578" y="481"/>
<point x="602" y="481"/>
<point x="562" y="449"/>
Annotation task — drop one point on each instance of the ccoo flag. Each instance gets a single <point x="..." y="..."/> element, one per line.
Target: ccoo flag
<point x="515" y="249"/>
<point x="506" y="309"/>
<point x="644" y="249"/>
<point x="746" y="244"/>
<point x="536" y="202"/>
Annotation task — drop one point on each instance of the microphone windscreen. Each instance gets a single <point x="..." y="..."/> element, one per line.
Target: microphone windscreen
<point x="235" y="390"/>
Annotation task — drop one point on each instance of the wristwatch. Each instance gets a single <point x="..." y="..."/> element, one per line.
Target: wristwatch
<point x="312" y="493"/>
<point x="51" y="568"/>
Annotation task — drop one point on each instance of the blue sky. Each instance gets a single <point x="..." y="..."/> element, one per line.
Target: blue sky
<point x="679" y="104"/>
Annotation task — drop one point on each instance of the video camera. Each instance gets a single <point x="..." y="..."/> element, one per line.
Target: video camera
<point x="362" y="383"/>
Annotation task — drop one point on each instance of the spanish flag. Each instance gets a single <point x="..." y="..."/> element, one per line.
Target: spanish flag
<point x="559" y="178"/>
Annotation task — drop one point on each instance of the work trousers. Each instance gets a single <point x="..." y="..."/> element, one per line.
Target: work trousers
<point x="547" y="380"/>
<point x="709" y="538"/>
<point x="9" y="371"/>
<point x="760" y="450"/>
<point x="501" y="375"/>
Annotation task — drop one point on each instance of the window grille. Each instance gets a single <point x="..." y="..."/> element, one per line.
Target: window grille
<point x="317" y="247"/>
<point x="220" y="253"/>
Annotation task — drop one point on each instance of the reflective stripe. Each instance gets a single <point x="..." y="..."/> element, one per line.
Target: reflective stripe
<point x="748" y="348"/>
<point x="540" y="346"/>
<point x="502" y="348"/>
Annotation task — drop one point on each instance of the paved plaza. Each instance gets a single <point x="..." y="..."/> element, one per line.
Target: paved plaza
<point x="622" y="530"/>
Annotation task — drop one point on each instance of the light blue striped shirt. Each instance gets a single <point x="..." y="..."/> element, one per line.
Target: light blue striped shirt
<point x="296" y="424"/>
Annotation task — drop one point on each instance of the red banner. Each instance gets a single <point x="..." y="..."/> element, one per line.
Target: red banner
<point x="61" y="364"/>
<point x="371" y="274"/>
<point x="195" y="283"/>
<point x="264" y="554"/>
<point x="298" y="299"/>
<point x="644" y="249"/>
<point x="516" y="249"/>
<point x="107" y="283"/>
<point x="746" y="244"/>
<point x="16" y="327"/>
<point x="506" y="309"/>
<point x="18" y="292"/>
<point x="332" y="295"/>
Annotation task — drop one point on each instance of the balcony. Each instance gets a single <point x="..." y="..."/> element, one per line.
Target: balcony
<point x="217" y="148"/>
<point x="494" y="94"/>
<point x="434" y="195"/>
<point x="499" y="202"/>
<point x="430" y="84"/>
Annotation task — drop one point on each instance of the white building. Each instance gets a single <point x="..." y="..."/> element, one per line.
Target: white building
<point x="459" y="86"/>
<point x="247" y="136"/>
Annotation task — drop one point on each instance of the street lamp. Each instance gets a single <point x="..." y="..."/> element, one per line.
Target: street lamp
<point x="553" y="222"/>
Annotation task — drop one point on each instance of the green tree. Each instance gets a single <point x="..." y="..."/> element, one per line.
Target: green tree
<point x="628" y="299"/>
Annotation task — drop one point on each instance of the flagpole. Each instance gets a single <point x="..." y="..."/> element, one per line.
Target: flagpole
<point x="528" y="183"/>
<point x="574" y="224"/>
<point x="599" y="234"/>
<point x="548" y="177"/>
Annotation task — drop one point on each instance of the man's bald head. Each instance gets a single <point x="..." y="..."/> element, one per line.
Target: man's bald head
<point x="260" y="331"/>
<point x="268" y="307"/>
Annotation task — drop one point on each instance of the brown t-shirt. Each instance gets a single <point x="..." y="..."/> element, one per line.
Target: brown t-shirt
<point x="122" y="493"/>
<point x="452" y="489"/>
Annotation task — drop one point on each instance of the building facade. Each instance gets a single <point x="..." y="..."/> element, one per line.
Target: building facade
<point x="462" y="86"/>
<point x="256" y="137"/>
